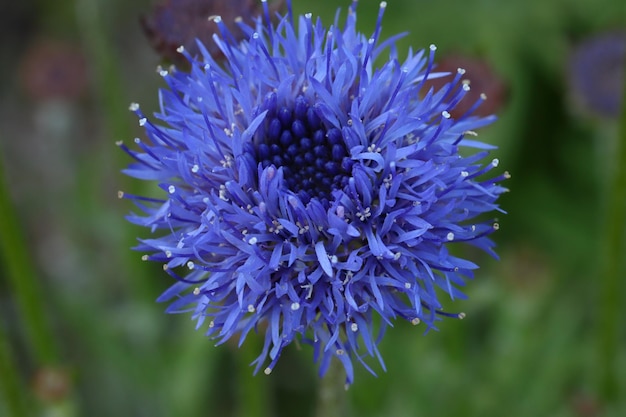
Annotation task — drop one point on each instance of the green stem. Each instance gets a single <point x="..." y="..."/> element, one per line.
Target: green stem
<point x="613" y="268"/>
<point x="331" y="396"/>
<point x="18" y="264"/>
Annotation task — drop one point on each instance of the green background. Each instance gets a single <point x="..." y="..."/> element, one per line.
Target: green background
<point x="544" y="333"/>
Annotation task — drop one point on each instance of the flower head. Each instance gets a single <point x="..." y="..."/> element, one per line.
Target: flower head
<point x="307" y="189"/>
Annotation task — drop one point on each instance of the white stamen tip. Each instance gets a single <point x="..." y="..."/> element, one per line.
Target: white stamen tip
<point x="171" y="189"/>
<point x="120" y="194"/>
<point x="180" y="49"/>
<point x="407" y="285"/>
<point x="483" y="96"/>
<point x="495" y="162"/>
<point x="144" y="258"/>
<point x="445" y="114"/>
<point x="222" y="193"/>
<point x="133" y="107"/>
<point x="295" y="306"/>
<point x="466" y="87"/>
<point x="119" y="143"/>
<point x="308" y="15"/>
<point x="255" y="35"/>
<point x="496" y="226"/>
<point x="142" y="121"/>
<point x="163" y="73"/>
<point x="216" y="19"/>
<point x="195" y="168"/>
<point x="340" y="352"/>
<point x="460" y="71"/>
<point x="253" y="240"/>
<point x="383" y="4"/>
<point x="251" y="308"/>
<point x="464" y="174"/>
<point x="191" y="265"/>
<point x="433" y="47"/>
<point x="461" y="316"/>
<point x="450" y="236"/>
<point x="196" y="291"/>
<point x="354" y="327"/>
<point x="267" y="371"/>
<point x="415" y="321"/>
<point x="168" y="253"/>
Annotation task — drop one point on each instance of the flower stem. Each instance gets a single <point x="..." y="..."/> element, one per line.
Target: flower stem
<point x="331" y="395"/>
<point x="613" y="268"/>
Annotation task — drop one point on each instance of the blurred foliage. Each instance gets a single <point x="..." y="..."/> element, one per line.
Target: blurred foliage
<point x="531" y="344"/>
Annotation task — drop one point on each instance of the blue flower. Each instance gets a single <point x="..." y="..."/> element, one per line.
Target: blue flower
<point x="309" y="194"/>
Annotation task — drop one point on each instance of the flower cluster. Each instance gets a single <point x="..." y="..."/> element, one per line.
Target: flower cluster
<point x="307" y="191"/>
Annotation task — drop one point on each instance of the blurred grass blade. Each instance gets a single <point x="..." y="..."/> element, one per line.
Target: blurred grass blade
<point x="18" y="265"/>
<point x="11" y="388"/>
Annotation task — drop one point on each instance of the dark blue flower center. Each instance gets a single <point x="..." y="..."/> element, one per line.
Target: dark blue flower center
<point x="314" y="158"/>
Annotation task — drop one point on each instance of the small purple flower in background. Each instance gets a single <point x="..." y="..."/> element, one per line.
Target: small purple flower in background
<point x="596" y="76"/>
<point x="306" y="191"/>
